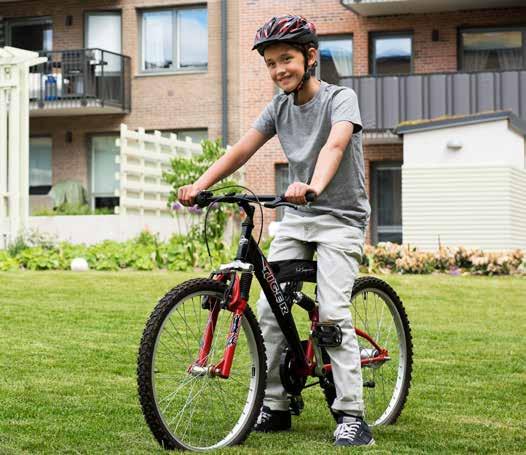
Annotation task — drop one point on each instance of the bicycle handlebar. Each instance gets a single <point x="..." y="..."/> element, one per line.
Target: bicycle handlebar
<point x="206" y="198"/>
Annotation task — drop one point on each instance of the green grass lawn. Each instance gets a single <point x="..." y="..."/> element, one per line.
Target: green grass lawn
<point x="68" y="345"/>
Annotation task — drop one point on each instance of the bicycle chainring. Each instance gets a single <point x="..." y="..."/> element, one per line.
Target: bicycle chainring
<point x="292" y="382"/>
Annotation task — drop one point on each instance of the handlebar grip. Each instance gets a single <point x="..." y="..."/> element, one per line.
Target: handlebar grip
<point x="202" y="198"/>
<point x="310" y="196"/>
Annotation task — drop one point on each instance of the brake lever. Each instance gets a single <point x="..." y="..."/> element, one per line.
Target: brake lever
<point x="273" y="205"/>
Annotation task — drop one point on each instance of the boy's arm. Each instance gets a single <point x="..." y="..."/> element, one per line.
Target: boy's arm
<point x="327" y="164"/>
<point x="224" y="166"/>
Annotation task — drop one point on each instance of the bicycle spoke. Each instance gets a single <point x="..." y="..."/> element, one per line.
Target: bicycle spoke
<point x="189" y="402"/>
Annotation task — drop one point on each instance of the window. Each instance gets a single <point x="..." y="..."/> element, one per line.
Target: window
<point x="103" y="31"/>
<point x="391" y="54"/>
<point x="335" y="59"/>
<point x="32" y="34"/>
<point x="174" y="39"/>
<point x="40" y="150"/>
<point x="386" y="189"/>
<point x="103" y="170"/>
<point x="490" y="50"/>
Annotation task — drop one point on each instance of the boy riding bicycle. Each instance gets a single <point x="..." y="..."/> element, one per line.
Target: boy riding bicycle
<point x="319" y="128"/>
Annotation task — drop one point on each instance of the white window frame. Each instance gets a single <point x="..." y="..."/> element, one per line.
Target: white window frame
<point x="176" y="68"/>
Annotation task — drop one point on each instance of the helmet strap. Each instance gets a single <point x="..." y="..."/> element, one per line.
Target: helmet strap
<point x="306" y="75"/>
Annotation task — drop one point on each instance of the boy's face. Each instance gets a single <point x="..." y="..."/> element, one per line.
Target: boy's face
<point x="286" y="65"/>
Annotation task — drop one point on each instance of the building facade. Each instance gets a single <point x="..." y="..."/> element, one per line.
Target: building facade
<point x="166" y="65"/>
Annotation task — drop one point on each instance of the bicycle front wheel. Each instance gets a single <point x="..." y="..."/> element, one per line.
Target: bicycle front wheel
<point x="198" y="412"/>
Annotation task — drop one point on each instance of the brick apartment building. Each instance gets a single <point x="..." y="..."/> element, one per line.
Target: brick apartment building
<point x="158" y="64"/>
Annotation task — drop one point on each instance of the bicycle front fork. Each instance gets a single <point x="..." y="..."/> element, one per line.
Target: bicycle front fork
<point x="235" y="301"/>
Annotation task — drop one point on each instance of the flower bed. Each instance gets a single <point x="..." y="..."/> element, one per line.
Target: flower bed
<point x="389" y="257"/>
<point x="185" y="253"/>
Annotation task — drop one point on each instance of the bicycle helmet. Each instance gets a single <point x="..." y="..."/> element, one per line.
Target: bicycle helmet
<point x="293" y="30"/>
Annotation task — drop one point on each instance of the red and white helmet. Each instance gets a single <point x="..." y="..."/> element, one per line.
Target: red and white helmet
<point x="286" y="29"/>
<point x="294" y="30"/>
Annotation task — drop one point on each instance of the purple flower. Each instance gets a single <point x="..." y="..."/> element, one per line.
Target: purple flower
<point x="455" y="271"/>
<point x="195" y="209"/>
<point x="177" y="205"/>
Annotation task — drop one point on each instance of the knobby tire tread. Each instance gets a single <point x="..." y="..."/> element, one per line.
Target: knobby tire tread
<point x="145" y="357"/>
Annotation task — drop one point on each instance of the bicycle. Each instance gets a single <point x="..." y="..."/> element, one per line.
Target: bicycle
<point x="194" y="396"/>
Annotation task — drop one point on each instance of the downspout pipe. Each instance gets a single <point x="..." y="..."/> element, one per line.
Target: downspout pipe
<point x="224" y="74"/>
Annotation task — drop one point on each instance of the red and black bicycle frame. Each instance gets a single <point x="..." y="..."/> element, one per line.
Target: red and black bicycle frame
<point x="270" y="276"/>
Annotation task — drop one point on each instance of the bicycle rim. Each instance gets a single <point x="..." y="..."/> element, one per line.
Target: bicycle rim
<point x="203" y="412"/>
<point x="385" y="385"/>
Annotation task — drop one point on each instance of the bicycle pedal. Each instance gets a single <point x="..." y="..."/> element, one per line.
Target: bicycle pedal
<point x="296" y="404"/>
<point x="327" y="334"/>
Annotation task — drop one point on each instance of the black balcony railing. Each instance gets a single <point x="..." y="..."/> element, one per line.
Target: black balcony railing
<point x="385" y="101"/>
<point x="81" y="78"/>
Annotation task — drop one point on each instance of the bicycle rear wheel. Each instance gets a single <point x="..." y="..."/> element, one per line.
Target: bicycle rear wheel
<point x="198" y="411"/>
<point x="378" y="311"/>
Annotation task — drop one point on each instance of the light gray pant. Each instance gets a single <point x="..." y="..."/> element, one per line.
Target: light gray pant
<point x="339" y="247"/>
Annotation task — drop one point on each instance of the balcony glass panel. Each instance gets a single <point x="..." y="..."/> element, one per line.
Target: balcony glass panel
<point x="392" y="55"/>
<point x="488" y="51"/>
<point x="335" y="59"/>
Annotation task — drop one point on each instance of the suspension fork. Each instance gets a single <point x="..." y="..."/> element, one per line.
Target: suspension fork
<point x="237" y="303"/>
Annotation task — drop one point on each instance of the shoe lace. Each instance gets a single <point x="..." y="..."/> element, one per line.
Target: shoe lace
<point x="347" y="430"/>
<point x="263" y="417"/>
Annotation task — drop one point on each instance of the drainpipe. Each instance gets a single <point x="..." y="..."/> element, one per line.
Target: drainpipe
<point x="224" y="71"/>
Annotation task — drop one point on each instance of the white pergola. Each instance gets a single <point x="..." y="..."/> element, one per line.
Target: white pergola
<point x="14" y="140"/>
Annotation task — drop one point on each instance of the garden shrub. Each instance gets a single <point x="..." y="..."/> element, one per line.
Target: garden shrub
<point x="188" y="253"/>
<point x="7" y="262"/>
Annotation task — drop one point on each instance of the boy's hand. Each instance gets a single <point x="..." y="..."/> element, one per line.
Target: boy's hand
<point x="296" y="192"/>
<point x="186" y="194"/>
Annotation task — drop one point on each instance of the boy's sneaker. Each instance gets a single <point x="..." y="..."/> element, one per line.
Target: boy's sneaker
<point x="352" y="431"/>
<point x="269" y="420"/>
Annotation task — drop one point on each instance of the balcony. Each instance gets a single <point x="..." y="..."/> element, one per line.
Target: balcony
<point x="392" y="7"/>
<point x="80" y="82"/>
<point x="385" y="101"/>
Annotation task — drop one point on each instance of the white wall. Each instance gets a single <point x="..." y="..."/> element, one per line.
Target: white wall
<point x="91" y="229"/>
<point x="473" y="197"/>
<point x="484" y="143"/>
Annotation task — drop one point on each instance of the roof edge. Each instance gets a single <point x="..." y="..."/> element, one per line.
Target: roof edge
<point x="516" y="123"/>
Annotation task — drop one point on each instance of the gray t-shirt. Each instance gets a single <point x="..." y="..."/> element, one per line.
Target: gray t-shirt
<point x="303" y="130"/>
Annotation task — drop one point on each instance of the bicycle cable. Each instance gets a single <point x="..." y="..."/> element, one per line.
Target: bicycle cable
<point x="218" y="201"/>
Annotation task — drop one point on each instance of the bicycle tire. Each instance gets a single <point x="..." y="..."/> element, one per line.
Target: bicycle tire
<point x="400" y="393"/>
<point x="151" y="365"/>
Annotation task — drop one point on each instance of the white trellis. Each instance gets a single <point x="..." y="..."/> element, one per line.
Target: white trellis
<point x="14" y="140"/>
<point x="143" y="158"/>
